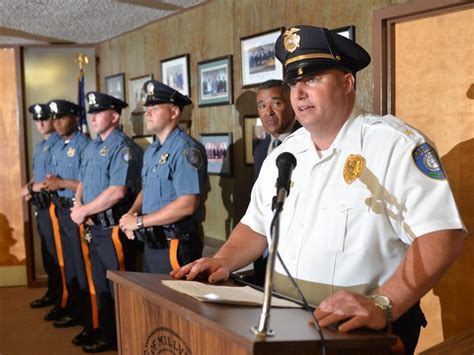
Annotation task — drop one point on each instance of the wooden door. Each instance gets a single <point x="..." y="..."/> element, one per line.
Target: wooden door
<point x="433" y="90"/>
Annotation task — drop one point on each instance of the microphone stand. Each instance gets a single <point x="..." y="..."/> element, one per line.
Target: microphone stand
<point x="262" y="329"/>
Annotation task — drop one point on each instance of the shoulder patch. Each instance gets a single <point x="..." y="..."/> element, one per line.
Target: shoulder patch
<point x="126" y="155"/>
<point x="194" y="157"/>
<point x="427" y="160"/>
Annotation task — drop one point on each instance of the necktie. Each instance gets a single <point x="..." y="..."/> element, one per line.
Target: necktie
<point x="276" y="143"/>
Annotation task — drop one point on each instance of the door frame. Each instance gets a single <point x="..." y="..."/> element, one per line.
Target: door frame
<point x="383" y="39"/>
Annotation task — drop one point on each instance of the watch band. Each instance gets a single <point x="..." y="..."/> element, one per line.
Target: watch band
<point x="385" y="304"/>
<point x="140" y="222"/>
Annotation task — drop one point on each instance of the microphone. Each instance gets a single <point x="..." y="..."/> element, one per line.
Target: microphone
<point x="285" y="163"/>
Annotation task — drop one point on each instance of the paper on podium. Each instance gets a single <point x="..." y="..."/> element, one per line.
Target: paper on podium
<point x="237" y="295"/>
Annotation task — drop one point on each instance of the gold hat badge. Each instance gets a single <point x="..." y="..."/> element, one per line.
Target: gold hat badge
<point x="150" y="89"/>
<point x="38" y="109"/>
<point x="53" y="106"/>
<point x="292" y="40"/>
<point x="353" y="167"/>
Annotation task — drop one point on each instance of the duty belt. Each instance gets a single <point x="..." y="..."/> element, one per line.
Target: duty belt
<point x="154" y="237"/>
<point x="40" y="199"/>
<point x="108" y="218"/>
<point x="62" y="202"/>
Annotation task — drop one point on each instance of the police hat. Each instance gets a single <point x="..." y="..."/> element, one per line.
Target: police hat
<point x="159" y="93"/>
<point x="305" y="50"/>
<point x="40" y="112"/>
<point x="61" y="108"/>
<point x="100" y="102"/>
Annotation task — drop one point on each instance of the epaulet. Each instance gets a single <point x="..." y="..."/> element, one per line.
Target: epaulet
<point x="394" y="123"/>
<point x="295" y="134"/>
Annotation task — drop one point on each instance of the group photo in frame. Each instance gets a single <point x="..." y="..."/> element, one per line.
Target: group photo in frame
<point x="136" y="103"/>
<point x="254" y="133"/>
<point x="215" y="82"/>
<point x="219" y="153"/>
<point x="175" y="73"/>
<point x="259" y="63"/>
<point x="115" y="86"/>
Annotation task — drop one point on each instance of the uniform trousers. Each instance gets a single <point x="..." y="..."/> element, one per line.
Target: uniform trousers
<point x="49" y="255"/>
<point x="79" y="305"/>
<point x="156" y="261"/>
<point x="105" y="255"/>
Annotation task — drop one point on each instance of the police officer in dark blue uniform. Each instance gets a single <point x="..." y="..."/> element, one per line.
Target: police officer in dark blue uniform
<point x="33" y="191"/>
<point x="167" y="213"/>
<point x="67" y="157"/>
<point x="110" y="181"/>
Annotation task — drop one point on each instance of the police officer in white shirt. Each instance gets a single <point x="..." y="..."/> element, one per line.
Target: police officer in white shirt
<point x="370" y="224"/>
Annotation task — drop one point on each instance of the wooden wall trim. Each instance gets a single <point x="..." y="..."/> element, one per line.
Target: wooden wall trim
<point x="382" y="42"/>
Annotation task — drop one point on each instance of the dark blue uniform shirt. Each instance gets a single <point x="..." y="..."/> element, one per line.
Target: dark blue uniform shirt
<point x="176" y="168"/>
<point x="67" y="157"/>
<point x="42" y="164"/>
<point x="117" y="161"/>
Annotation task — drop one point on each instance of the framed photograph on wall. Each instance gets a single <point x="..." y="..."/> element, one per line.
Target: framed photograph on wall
<point x="347" y="31"/>
<point x="254" y="133"/>
<point x="115" y="86"/>
<point x="219" y="153"/>
<point x="175" y="73"/>
<point x="136" y="102"/>
<point x="215" y="81"/>
<point x="258" y="58"/>
<point x="144" y="140"/>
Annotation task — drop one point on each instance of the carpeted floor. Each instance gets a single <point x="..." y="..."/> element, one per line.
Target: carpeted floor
<point x="23" y="330"/>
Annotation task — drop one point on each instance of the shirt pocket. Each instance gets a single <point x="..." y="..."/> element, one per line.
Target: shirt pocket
<point x="341" y="220"/>
<point x="162" y="174"/>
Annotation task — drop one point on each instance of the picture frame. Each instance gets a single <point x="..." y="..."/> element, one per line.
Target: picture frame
<point x="254" y="133"/>
<point x="175" y="73"/>
<point x="215" y="82"/>
<point x="219" y="153"/>
<point x="136" y="103"/>
<point x="259" y="63"/>
<point x="115" y="86"/>
<point x="144" y="140"/>
<point x="346" y="31"/>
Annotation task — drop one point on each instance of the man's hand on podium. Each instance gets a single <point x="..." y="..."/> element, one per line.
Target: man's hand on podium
<point x="350" y="311"/>
<point x="215" y="269"/>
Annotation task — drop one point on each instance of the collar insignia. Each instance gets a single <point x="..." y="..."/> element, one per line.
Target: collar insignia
<point x="91" y="99"/>
<point x="71" y="152"/>
<point x="164" y="158"/>
<point x="291" y="39"/>
<point x="150" y="89"/>
<point x="104" y="151"/>
<point x="53" y="106"/>
<point x="353" y="167"/>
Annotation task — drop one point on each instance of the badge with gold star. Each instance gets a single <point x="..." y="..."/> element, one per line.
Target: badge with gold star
<point x="291" y="40"/>
<point x="353" y="167"/>
<point x="71" y="152"/>
<point x="104" y="151"/>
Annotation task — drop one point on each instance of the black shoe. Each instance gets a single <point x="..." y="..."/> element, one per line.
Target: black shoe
<point x="53" y="314"/>
<point x="65" y="322"/>
<point x="86" y="337"/>
<point x="98" y="347"/>
<point x="42" y="302"/>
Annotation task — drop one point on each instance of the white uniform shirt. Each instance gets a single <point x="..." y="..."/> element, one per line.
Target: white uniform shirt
<point x="337" y="235"/>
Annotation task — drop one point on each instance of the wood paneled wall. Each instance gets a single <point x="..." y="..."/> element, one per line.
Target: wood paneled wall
<point x="12" y="211"/>
<point x="213" y="30"/>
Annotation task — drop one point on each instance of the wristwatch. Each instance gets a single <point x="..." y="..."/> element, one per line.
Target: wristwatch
<point x="140" y="222"/>
<point x="384" y="303"/>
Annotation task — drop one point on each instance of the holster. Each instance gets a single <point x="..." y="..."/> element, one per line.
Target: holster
<point x="190" y="243"/>
<point x="40" y="199"/>
<point x="154" y="237"/>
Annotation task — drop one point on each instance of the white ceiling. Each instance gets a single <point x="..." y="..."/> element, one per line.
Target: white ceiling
<point x="79" y="21"/>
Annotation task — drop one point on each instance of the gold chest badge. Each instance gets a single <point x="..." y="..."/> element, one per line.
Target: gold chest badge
<point x="353" y="167"/>
<point x="164" y="158"/>
<point x="104" y="151"/>
<point x="71" y="152"/>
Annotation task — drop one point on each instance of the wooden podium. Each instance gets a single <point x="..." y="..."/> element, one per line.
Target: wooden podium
<point x="154" y="319"/>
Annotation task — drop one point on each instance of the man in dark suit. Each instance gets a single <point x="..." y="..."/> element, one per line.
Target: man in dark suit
<point x="278" y="119"/>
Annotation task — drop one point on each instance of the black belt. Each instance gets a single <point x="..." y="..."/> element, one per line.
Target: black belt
<point x="154" y="237"/>
<point x="62" y="202"/>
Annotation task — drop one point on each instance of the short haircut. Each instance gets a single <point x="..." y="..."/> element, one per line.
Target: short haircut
<point x="273" y="83"/>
